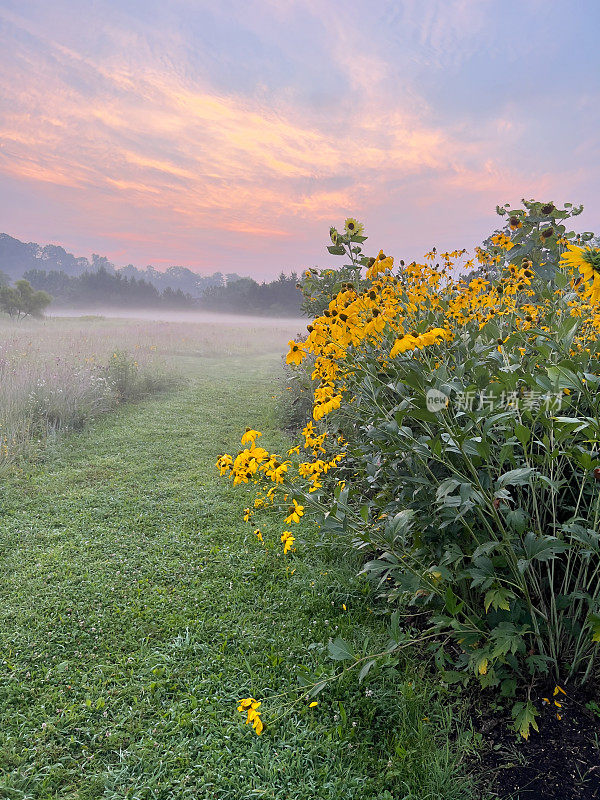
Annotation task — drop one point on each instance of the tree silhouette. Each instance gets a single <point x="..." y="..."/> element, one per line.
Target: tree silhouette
<point x="21" y="300"/>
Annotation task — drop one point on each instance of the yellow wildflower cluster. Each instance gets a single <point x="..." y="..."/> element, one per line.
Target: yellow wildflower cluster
<point x="250" y="706"/>
<point x="252" y="460"/>
<point x="367" y="334"/>
<point x="419" y="308"/>
<point x="398" y="306"/>
<point x="502" y="240"/>
<point x="254" y="463"/>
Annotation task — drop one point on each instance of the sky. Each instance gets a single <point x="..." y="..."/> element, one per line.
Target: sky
<point x="230" y="135"/>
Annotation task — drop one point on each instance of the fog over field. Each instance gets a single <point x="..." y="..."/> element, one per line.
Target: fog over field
<point x="168" y="315"/>
<point x="61" y="371"/>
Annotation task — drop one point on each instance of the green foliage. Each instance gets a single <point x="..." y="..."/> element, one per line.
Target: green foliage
<point x="319" y="286"/>
<point x="21" y="300"/>
<point x="471" y="483"/>
<point x="537" y="232"/>
<point x="294" y="401"/>
<point x="122" y="375"/>
<point x="488" y="515"/>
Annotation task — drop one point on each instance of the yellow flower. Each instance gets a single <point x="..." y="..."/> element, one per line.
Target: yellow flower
<point x="379" y="265"/>
<point x="587" y="261"/>
<point x="433" y="336"/>
<point x="353" y="227"/>
<point x="224" y="464"/>
<point x="321" y="409"/>
<point x="257" y="724"/>
<point x="288" y="541"/>
<point x="250" y="436"/>
<point x="275" y="469"/>
<point x="404" y="344"/>
<point x="296" y="512"/>
<point x="296" y="353"/>
<point x="313" y="704"/>
<point x="259" y="535"/>
<point x="503" y="241"/>
<point x="250" y="706"/>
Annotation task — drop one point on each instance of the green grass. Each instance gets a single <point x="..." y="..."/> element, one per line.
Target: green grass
<point x="137" y="607"/>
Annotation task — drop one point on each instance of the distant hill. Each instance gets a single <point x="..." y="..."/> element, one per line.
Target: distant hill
<point x="18" y="258"/>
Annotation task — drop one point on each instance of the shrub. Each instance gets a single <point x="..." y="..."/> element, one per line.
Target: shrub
<point x="454" y="440"/>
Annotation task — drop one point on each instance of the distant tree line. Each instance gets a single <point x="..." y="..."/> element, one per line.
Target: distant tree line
<point x="76" y="282"/>
<point x="246" y="296"/>
<point x="18" y="258"/>
<point x="106" y="289"/>
<point x="102" y="289"/>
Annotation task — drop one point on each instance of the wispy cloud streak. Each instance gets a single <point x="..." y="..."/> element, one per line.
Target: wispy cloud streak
<point x="157" y="142"/>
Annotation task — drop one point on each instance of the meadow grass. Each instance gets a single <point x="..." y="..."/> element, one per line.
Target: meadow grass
<point x="138" y="608"/>
<point x="58" y="374"/>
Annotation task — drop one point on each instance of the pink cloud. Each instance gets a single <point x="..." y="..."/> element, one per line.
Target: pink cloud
<point x="140" y="150"/>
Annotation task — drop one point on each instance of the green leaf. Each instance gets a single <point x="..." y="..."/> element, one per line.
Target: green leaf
<point x="484" y="549"/>
<point x="516" y="477"/>
<point x="450" y="676"/>
<point x="523" y="434"/>
<point x="507" y="639"/>
<point x="593" y="621"/>
<point x="560" y="279"/>
<point x="453" y="604"/>
<point x="317" y="688"/>
<point x="517" y="520"/>
<point x="524" y="715"/>
<point x="340" y="650"/>
<point x="365" y="670"/>
<point x="336" y="250"/>
<point x="498" y="598"/>
<point x="564" y="378"/>
<point x="543" y="548"/>
<point x="395" y="631"/>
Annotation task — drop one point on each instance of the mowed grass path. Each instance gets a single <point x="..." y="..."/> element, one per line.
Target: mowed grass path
<point x="137" y="607"/>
